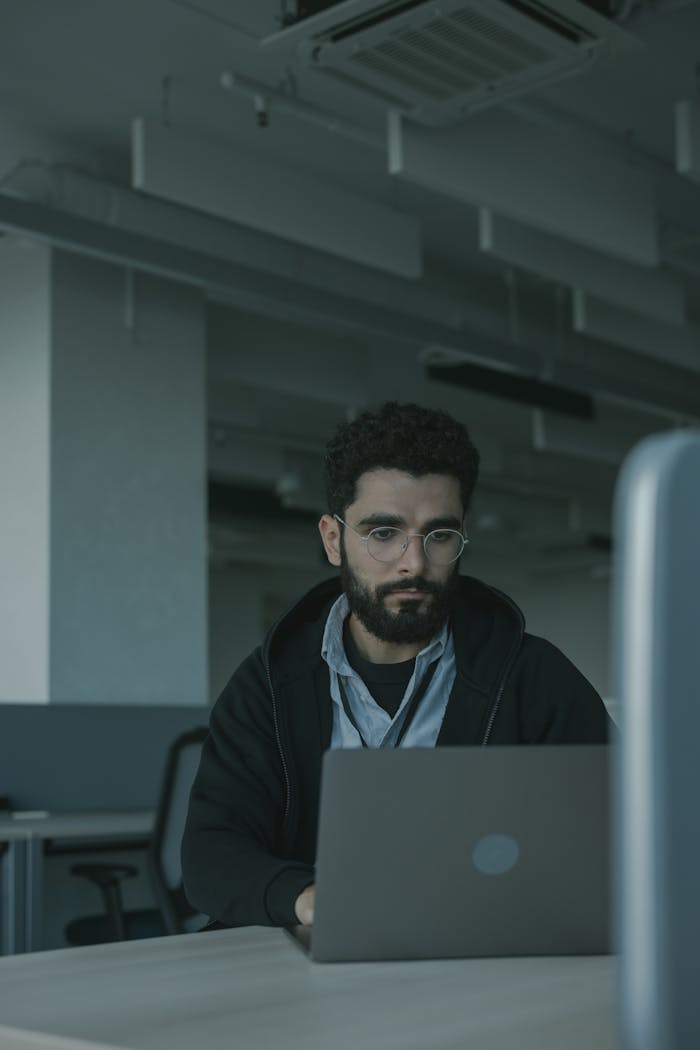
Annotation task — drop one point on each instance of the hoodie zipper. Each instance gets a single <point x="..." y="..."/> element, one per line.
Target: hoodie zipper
<point x="508" y="665"/>
<point x="499" y="694"/>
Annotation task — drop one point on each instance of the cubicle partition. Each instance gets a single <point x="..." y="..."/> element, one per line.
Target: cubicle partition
<point x="87" y="758"/>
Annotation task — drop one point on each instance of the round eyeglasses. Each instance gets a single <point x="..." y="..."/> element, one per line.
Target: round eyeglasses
<point x="387" y="543"/>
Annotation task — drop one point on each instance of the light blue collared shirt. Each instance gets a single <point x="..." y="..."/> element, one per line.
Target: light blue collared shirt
<point x="378" y="728"/>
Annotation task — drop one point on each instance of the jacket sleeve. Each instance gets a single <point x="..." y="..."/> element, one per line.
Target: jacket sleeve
<point x="557" y="704"/>
<point x="231" y="866"/>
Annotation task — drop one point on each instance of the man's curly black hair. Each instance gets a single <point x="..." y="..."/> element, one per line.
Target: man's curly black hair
<point x="402" y="437"/>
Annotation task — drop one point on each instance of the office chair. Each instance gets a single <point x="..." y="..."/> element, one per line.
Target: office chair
<point x="173" y="913"/>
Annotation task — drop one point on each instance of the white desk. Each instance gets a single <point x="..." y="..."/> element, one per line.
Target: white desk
<point x="253" y="989"/>
<point x="23" y="862"/>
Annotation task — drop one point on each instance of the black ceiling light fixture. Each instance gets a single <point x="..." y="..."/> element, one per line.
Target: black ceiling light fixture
<point x="511" y="386"/>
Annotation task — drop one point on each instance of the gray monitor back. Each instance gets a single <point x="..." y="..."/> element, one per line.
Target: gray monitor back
<point x="657" y="644"/>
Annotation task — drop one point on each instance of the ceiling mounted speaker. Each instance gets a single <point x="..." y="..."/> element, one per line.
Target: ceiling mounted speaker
<point x="437" y="62"/>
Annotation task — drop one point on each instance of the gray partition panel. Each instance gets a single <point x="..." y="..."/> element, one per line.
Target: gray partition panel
<point x="81" y="757"/>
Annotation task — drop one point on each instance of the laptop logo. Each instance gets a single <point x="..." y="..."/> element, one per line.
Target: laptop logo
<point x="495" y="854"/>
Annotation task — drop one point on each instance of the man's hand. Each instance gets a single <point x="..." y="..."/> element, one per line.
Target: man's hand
<point x="304" y="906"/>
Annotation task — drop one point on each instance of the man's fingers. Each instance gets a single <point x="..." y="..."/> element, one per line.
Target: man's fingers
<point x="304" y="906"/>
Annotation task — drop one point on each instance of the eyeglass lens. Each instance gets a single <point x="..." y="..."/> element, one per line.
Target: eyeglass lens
<point x="441" y="547"/>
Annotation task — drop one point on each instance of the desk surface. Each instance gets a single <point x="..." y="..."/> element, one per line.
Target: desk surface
<point x="253" y="989"/>
<point x="13" y="831"/>
<point x="138" y="823"/>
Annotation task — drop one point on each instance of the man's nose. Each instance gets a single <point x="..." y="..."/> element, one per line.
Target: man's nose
<point x="413" y="558"/>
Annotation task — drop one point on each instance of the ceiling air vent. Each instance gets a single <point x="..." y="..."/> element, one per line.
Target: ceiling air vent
<point x="438" y="61"/>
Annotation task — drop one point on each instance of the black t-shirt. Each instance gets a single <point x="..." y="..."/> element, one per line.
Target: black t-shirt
<point x="386" y="682"/>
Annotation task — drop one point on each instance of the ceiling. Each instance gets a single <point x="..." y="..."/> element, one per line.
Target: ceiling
<point x="317" y="336"/>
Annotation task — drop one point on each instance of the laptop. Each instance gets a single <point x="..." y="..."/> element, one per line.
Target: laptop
<point x="437" y="853"/>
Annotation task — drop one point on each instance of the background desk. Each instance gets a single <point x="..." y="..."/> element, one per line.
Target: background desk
<point x="23" y="862"/>
<point x="253" y="989"/>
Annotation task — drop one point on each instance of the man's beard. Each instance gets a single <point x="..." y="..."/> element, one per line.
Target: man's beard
<point x="416" y="620"/>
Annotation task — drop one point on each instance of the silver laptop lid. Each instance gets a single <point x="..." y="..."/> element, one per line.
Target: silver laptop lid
<point x="458" y="852"/>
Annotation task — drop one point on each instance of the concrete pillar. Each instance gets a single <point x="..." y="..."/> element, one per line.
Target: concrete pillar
<point x="110" y="409"/>
<point x="25" y="406"/>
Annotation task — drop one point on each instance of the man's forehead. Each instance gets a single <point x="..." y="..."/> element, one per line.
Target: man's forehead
<point x="399" y="489"/>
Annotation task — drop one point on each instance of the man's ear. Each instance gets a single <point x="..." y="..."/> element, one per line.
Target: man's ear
<point x="330" y="535"/>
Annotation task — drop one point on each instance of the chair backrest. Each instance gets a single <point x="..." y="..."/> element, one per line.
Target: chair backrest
<point x="164" y="850"/>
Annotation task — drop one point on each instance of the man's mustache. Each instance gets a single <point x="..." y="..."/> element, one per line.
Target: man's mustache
<point x="416" y="583"/>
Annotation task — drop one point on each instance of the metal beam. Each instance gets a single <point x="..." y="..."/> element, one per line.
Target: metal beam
<point x="217" y="275"/>
<point x="412" y="322"/>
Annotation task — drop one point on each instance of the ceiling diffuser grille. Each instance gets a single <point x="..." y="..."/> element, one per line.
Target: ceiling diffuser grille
<point x="440" y="60"/>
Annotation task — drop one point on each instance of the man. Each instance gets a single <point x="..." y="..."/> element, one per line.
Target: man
<point x="399" y="651"/>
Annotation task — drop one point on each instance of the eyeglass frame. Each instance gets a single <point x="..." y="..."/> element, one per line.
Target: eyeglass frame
<point x="409" y="536"/>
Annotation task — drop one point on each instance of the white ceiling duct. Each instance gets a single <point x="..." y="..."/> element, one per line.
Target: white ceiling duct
<point x="437" y="62"/>
<point x="245" y="189"/>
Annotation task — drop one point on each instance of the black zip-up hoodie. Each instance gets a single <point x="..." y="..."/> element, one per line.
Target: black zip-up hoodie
<point x="250" y="840"/>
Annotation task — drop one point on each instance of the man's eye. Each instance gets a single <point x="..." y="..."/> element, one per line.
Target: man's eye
<point x="383" y="535"/>
<point x="442" y="536"/>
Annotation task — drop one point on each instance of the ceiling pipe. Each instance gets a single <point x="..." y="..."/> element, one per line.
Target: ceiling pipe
<point x="267" y="99"/>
